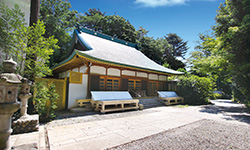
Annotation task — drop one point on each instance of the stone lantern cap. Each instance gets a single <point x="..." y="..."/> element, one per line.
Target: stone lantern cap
<point x="8" y="76"/>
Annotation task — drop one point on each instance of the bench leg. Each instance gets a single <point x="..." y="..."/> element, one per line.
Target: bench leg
<point x="103" y="107"/>
<point x="97" y="107"/>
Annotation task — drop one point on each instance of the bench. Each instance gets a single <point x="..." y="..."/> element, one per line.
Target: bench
<point x="82" y="102"/>
<point x="169" y="97"/>
<point x="107" y="101"/>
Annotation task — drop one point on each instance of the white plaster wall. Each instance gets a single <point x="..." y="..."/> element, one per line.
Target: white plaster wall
<point x="98" y="70"/>
<point x="142" y="74"/>
<point x="83" y="69"/>
<point x="114" y="72"/>
<point x="153" y="77"/>
<point x="162" y="78"/>
<point x="77" y="91"/>
<point x="75" y="69"/>
<point x="128" y="72"/>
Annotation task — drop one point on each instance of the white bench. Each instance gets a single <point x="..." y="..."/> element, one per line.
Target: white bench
<point x="170" y="97"/>
<point x="107" y="101"/>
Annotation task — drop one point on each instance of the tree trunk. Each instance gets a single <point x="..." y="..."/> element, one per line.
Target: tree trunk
<point x="34" y="11"/>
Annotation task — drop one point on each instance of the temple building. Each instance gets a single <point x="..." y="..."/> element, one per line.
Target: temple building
<point x="98" y="62"/>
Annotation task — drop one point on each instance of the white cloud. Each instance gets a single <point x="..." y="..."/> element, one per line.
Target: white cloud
<point x="157" y="3"/>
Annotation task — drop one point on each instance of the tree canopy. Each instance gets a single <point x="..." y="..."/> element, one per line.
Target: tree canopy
<point x="176" y="48"/>
<point x="225" y="54"/>
<point x="113" y="25"/>
<point x="59" y="21"/>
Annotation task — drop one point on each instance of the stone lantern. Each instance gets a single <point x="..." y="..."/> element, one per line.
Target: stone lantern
<point x="9" y="83"/>
<point x="24" y="96"/>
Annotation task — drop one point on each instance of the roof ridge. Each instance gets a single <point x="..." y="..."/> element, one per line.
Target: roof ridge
<point x="107" y="37"/>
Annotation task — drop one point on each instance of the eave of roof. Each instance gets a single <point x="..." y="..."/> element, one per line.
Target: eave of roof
<point x="86" y="57"/>
<point x="106" y="62"/>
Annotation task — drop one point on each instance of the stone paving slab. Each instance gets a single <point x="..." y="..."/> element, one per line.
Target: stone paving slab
<point x="29" y="141"/>
<point x="111" y="132"/>
<point x="25" y="141"/>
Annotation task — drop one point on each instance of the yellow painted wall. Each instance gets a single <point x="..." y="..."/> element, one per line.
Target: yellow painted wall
<point x="60" y="89"/>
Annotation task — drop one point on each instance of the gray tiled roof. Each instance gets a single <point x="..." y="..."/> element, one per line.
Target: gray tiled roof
<point x="108" y="50"/>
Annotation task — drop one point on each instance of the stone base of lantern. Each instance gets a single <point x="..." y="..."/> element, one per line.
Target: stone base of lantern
<point x="25" y="124"/>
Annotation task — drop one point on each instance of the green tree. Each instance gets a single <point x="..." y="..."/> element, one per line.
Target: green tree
<point x="10" y="20"/>
<point x="195" y="90"/>
<point x="92" y="19"/>
<point x="141" y="32"/>
<point x="119" y="27"/>
<point x="59" y="21"/>
<point x="207" y="61"/>
<point x="113" y="25"/>
<point x="45" y="100"/>
<point x="177" y="48"/>
<point x="233" y="31"/>
<point x="42" y="48"/>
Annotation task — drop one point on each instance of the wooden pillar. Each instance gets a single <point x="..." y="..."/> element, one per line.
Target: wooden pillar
<point x="106" y="67"/>
<point x="89" y="80"/>
<point x="120" y="86"/>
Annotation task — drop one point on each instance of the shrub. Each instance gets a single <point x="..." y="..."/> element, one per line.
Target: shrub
<point x="45" y="100"/>
<point x="217" y="95"/>
<point x="195" y="90"/>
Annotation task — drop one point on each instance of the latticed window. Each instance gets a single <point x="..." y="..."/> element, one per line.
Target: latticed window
<point x="112" y="84"/>
<point x="134" y="84"/>
<point x="102" y="83"/>
<point x="75" y="77"/>
<point x="109" y="84"/>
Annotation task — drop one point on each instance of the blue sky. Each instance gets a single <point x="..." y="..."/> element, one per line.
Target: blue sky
<point x="187" y="18"/>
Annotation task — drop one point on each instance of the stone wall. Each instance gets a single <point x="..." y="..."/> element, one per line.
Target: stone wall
<point x="25" y="124"/>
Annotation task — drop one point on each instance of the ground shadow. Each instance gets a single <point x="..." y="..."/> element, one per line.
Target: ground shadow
<point x="229" y="112"/>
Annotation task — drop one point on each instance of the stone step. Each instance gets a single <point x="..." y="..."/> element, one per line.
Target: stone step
<point x="150" y="103"/>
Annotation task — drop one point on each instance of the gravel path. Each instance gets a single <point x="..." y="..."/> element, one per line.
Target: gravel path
<point x="67" y="117"/>
<point x="203" y="134"/>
